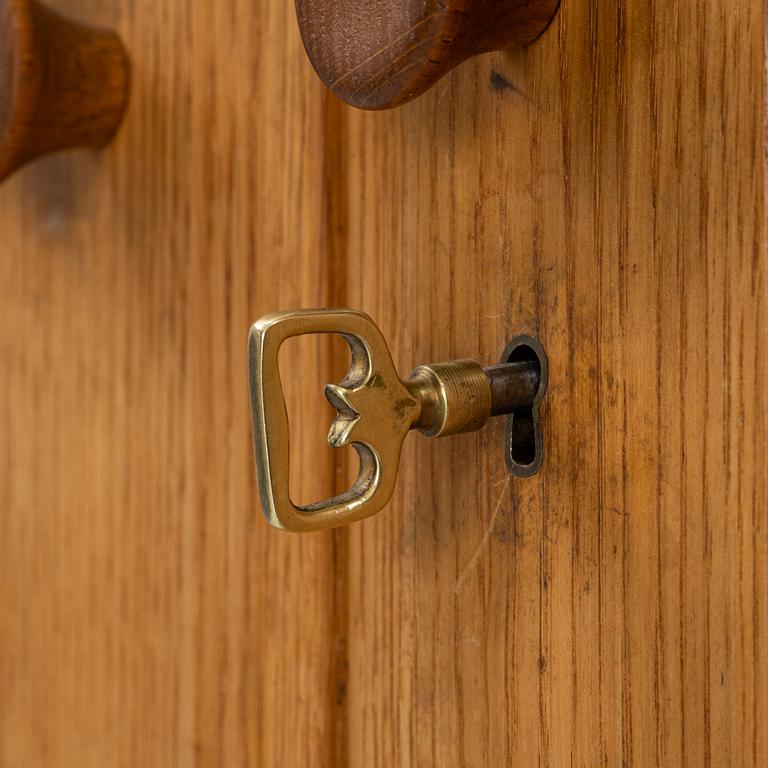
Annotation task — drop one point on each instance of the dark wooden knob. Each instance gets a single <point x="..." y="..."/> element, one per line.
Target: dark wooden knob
<point x="377" y="54"/>
<point x="62" y="85"/>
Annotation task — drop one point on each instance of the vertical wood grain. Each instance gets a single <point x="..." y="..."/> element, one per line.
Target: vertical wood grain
<point x="147" y="615"/>
<point x="604" y="190"/>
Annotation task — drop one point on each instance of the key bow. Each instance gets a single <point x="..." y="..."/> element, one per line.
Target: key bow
<point x="376" y="412"/>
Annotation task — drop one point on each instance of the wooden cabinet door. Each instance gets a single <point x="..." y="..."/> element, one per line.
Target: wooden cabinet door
<point x="604" y="190"/>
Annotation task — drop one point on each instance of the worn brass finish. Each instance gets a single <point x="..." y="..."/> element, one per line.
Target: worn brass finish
<point x="515" y="385"/>
<point x="373" y="404"/>
<point x="376" y="410"/>
<point x="455" y="397"/>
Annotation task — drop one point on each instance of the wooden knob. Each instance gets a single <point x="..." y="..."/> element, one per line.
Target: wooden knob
<point x="377" y="54"/>
<point x="62" y="85"/>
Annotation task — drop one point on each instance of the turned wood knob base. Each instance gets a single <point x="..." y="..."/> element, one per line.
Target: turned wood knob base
<point x="62" y="84"/>
<point x="377" y="54"/>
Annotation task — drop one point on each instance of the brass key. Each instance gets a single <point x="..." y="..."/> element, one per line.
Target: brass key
<point x="376" y="410"/>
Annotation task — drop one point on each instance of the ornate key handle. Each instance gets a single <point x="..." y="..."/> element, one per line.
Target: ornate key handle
<point x="376" y="410"/>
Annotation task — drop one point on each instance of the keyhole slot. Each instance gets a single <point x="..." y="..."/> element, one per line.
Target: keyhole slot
<point x="523" y="446"/>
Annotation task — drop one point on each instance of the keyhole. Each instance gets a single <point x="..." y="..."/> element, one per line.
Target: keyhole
<point x="524" y="449"/>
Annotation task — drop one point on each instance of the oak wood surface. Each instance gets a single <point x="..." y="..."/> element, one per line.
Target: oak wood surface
<point x="148" y="616"/>
<point x="602" y="189"/>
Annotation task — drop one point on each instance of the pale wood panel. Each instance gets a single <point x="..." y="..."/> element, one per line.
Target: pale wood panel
<point x="148" y="617"/>
<point x="610" y="611"/>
